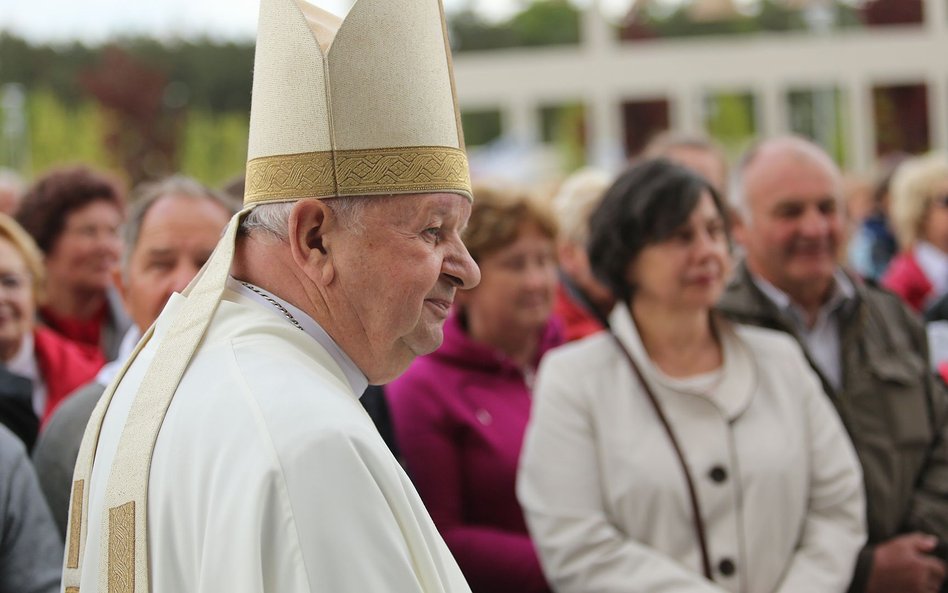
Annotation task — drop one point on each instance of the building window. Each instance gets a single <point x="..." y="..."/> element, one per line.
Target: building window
<point x="642" y="120"/>
<point x="900" y="113"/>
<point x="818" y="113"/>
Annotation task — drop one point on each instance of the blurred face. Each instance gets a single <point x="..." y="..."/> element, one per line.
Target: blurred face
<point x="795" y="228"/>
<point x="177" y="236"/>
<point x="397" y="279"/>
<point x="87" y="251"/>
<point x="687" y="270"/>
<point x="16" y="300"/>
<point x="935" y="221"/>
<point x="518" y="284"/>
<point x="574" y="262"/>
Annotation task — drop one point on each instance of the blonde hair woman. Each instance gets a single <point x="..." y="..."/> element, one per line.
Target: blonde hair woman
<point x="919" y="210"/>
<point x="52" y="365"/>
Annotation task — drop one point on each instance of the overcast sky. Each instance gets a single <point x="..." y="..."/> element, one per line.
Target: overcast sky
<point x="95" y="20"/>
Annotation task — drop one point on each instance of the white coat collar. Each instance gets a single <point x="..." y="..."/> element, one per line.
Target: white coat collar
<point x="739" y="381"/>
<point x="355" y="377"/>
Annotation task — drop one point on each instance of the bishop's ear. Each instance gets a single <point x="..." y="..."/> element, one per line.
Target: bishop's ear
<point x="311" y="226"/>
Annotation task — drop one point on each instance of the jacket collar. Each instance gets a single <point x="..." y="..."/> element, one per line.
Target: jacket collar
<point x="744" y="302"/>
<point x="739" y="373"/>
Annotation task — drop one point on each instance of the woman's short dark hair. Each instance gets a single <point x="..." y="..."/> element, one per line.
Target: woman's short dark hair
<point x="646" y="204"/>
<point x="57" y="194"/>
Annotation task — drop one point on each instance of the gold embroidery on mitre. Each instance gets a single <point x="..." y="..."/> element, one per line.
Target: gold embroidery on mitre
<point x="306" y="175"/>
<point x="72" y="589"/>
<point x="402" y="170"/>
<point x="75" y="524"/>
<point x="122" y="548"/>
<point x="359" y="172"/>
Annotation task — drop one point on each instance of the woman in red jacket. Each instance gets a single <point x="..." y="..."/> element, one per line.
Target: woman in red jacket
<point x="53" y="365"/>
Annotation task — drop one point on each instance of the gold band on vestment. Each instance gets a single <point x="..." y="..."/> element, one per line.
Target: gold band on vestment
<point x="418" y="169"/>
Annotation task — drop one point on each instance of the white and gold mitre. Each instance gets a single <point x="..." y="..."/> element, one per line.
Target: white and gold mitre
<point x="364" y="106"/>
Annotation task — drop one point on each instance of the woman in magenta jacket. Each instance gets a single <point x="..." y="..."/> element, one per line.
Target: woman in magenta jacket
<point x="460" y="413"/>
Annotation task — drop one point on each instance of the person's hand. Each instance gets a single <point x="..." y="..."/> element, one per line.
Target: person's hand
<point x="905" y="565"/>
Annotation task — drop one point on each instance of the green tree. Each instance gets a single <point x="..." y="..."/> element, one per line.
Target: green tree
<point x="547" y="22"/>
<point x="214" y="147"/>
<point x="60" y="133"/>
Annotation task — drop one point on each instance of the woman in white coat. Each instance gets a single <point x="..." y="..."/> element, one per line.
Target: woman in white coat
<point x="679" y="452"/>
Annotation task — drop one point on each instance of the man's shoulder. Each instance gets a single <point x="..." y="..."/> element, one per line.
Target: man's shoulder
<point x="888" y="308"/>
<point x="68" y="422"/>
<point x="742" y="301"/>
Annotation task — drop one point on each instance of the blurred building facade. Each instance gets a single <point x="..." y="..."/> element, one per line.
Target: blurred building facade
<point x="862" y="92"/>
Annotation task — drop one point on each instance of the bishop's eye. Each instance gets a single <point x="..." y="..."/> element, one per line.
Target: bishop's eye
<point x="432" y="233"/>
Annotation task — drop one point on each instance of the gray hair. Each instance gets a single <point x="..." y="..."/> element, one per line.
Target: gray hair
<point x="575" y="201"/>
<point x="274" y="218"/>
<point x="148" y="194"/>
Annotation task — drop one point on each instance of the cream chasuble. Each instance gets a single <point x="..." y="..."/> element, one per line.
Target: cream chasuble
<point x="268" y="475"/>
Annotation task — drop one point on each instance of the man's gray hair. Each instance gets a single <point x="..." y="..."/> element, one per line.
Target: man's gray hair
<point x="274" y="218"/>
<point x="148" y="194"/>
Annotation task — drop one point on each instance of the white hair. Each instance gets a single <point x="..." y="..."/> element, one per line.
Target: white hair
<point x="575" y="201"/>
<point x="274" y="218"/>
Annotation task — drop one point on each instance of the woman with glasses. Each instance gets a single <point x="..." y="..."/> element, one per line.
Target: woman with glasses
<point x="679" y="452"/>
<point x="919" y="210"/>
<point x="39" y="367"/>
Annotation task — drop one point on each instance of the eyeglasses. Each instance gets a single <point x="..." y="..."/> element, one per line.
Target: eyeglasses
<point x="13" y="282"/>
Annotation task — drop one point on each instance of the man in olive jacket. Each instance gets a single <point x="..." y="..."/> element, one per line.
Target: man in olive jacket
<point x="868" y="349"/>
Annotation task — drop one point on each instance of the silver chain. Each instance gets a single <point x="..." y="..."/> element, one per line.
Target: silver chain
<point x="273" y="302"/>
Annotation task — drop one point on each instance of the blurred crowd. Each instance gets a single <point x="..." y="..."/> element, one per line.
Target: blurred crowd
<point x="683" y="376"/>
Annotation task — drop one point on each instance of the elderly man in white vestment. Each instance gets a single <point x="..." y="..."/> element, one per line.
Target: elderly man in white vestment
<point x="232" y="454"/>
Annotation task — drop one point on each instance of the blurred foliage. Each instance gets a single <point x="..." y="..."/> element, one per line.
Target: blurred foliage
<point x="214" y="147"/>
<point x="142" y="128"/>
<point x="141" y="106"/>
<point x="650" y="20"/>
<point x="564" y="126"/>
<point x="541" y="23"/>
<point x="62" y="133"/>
<point x="819" y="113"/>
<point x="481" y="126"/>
<point x="730" y="118"/>
<point x="149" y="107"/>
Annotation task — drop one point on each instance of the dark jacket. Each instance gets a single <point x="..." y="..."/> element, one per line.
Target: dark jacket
<point x="893" y="407"/>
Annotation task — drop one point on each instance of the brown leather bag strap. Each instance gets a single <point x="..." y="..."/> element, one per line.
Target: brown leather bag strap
<point x="692" y="493"/>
